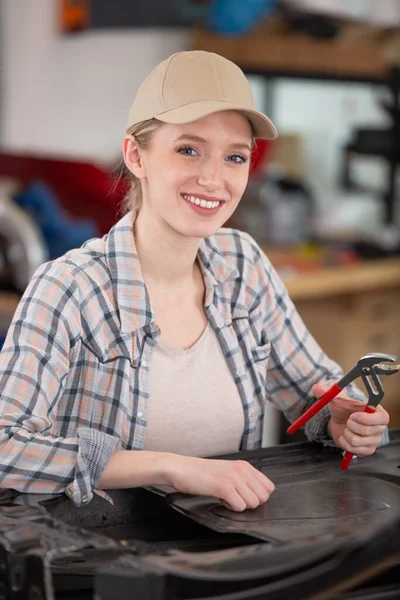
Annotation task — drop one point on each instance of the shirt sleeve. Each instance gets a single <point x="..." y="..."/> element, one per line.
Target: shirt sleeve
<point x="297" y="362"/>
<point x="34" y="365"/>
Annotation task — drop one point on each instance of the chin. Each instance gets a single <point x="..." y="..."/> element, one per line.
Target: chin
<point x="201" y="231"/>
<point x="195" y="228"/>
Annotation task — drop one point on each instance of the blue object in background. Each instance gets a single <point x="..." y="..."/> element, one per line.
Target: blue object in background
<point x="238" y="17"/>
<point x="60" y="232"/>
<point x="2" y="340"/>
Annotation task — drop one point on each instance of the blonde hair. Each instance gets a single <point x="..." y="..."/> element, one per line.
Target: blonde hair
<point x="143" y="133"/>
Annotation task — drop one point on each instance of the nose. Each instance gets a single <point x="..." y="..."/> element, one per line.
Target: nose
<point x="210" y="175"/>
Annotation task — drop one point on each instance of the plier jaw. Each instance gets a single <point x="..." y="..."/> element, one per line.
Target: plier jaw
<point x="368" y="364"/>
<point x="383" y="369"/>
<point x="369" y="367"/>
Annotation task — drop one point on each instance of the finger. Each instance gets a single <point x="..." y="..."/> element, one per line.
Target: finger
<point x="319" y="389"/>
<point x="230" y="498"/>
<point x="247" y="494"/>
<point x="227" y="505"/>
<point x="356" y="440"/>
<point x="265" y="482"/>
<point x="246" y="472"/>
<point x="359" y="440"/>
<point x="357" y="450"/>
<point x="260" y="490"/>
<point x="364" y="430"/>
<point x="379" y="417"/>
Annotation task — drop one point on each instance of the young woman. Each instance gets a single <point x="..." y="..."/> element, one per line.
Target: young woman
<point x="131" y="359"/>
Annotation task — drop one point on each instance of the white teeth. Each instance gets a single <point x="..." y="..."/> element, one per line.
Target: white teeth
<point x="202" y="203"/>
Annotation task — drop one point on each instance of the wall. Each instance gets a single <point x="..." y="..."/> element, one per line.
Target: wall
<point x="71" y="94"/>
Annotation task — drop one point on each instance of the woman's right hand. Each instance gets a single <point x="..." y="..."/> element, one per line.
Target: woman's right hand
<point x="236" y="483"/>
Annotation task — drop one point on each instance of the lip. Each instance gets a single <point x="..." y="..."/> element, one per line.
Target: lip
<point x="206" y="212"/>
<point x="203" y="197"/>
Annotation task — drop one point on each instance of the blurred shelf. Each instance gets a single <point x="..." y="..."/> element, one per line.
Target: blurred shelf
<point x="353" y="279"/>
<point x="270" y="51"/>
<point x="326" y="282"/>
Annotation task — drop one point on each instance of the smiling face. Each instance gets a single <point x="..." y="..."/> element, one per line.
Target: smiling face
<point x="193" y="175"/>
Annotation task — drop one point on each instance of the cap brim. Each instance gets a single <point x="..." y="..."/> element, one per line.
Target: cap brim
<point x="263" y="127"/>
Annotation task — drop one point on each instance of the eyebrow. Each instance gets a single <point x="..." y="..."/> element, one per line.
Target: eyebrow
<point x="197" y="138"/>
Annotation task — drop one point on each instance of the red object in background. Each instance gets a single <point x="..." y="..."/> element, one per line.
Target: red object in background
<point x="74" y="15"/>
<point x="84" y="189"/>
<point x="259" y="155"/>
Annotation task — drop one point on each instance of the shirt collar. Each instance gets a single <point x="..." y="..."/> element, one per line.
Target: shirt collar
<point x="216" y="269"/>
<point x="131" y="294"/>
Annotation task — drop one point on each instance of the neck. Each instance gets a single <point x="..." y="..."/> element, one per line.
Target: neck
<point x="166" y="258"/>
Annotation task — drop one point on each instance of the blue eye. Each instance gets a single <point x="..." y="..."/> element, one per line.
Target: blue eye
<point x="187" y="151"/>
<point x="234" y="158"/>
<point x="237" y="158"/>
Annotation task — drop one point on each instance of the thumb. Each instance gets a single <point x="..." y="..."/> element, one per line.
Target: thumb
<point x="319" y="389"/>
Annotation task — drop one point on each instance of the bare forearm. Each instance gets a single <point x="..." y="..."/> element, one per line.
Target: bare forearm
<point x="237" y="484"/>
<point x="135" y="468"/>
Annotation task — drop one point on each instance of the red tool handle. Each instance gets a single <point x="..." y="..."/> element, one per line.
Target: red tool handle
<point x="316" y="407"/>
<point x="347" y="457"/>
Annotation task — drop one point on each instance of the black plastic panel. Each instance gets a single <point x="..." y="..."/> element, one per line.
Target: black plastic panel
<point x="324" y="534"/>
<point x="313" y="497"/>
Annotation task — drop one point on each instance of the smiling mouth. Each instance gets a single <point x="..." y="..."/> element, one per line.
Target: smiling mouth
<point x="201" y="202"/>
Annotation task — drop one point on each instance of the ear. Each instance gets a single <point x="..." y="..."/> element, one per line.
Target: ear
<point x="133" y="156"/>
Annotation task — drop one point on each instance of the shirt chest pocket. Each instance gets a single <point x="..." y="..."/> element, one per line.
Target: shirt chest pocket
<point x="259" y="357"/>
<point x="261" y="353"/>
<point x="252" y="357"/>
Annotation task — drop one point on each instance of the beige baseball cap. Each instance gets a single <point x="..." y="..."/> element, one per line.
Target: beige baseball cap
<point x="193" y="84"/>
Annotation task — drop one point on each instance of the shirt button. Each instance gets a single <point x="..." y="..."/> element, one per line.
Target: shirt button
<point x="84" y="499"/>
<point x="69" y="492"/>
<point x="145" y="363"/>
<point x="140" y="414"/>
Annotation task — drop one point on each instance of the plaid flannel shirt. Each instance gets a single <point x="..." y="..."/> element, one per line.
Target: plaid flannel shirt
<point x="74" y="369"/>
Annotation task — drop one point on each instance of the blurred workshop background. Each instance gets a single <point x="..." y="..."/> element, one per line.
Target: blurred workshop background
<point x="322" y="200"/>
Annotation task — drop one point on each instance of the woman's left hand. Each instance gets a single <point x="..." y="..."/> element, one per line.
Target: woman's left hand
<point x="350" y="428"/>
